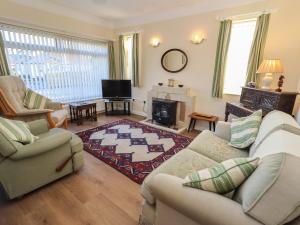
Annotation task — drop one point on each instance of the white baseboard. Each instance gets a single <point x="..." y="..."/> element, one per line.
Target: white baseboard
<point x="139" y="113"/>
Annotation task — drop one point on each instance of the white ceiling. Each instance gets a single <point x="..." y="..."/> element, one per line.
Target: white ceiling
<point x="118" y="13"/>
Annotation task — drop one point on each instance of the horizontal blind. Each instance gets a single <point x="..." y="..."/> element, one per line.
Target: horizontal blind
<point x="65" y="69"/>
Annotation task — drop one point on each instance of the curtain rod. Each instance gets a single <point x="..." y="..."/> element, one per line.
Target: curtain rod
<point x="251" y="14"/>
<point x="48" y="29"/>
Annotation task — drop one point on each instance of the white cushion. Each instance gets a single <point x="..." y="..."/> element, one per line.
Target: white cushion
<point x="273" y="121"/>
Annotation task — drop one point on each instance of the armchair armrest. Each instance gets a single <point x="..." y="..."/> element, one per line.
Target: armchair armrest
<point x="201" y="206"/>
<point x="38" y="126"/>
<point x="41" y="146"/>
<point x="223" y="130"/>
<point x="54" y="105"/>
<point x="31" y="112"/>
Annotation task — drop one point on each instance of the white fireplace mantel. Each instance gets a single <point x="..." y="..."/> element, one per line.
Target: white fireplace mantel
<point x="185" y="106"/>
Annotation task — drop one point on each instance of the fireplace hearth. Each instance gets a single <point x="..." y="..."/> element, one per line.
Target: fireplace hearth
<point x="164" y="111"/>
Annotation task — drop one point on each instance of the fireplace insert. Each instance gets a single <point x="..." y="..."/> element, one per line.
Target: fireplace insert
<point x="164" y="111"/>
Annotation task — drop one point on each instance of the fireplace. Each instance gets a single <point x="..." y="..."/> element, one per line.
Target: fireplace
<point x="164" y="111"/>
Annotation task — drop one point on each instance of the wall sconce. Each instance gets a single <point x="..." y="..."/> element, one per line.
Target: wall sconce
<point x="155" y="42"/>
<point x="197" y="39"/>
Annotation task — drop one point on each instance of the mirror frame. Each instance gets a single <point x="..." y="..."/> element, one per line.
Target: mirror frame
<point x="174" y="71"/>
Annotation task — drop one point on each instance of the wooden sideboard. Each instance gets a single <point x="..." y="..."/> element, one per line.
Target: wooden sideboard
<point x="253" y="99"/>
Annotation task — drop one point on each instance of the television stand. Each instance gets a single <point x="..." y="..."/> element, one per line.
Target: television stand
<point x="111" y="108"/>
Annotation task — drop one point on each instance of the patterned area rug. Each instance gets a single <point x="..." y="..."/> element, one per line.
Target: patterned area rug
<point x="132" y="148"/>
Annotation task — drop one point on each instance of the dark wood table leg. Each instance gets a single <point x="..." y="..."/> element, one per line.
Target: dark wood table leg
<point x="95" y="112"/>
<point x="209" y="125"/>
<point x="106" y="112"/>
<point x="190" y="126"/>
<point x="79" y="117"/>
<point x="129" y="112"/>
<point x="226" y="115"/>
<point x="214" y="126"/>
<point x="194" y="124"/>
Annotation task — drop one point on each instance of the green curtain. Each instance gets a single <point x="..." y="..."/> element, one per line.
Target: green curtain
<point x="135" y="60"/>
<point x="258" y="46"/>
<point x="221" y="55"/>
<point x="4" y="69"/>
<point x="112" y="63"/>
<point x="122" y="57"/>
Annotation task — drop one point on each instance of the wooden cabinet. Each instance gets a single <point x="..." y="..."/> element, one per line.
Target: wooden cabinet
<point x="253" y="99"/>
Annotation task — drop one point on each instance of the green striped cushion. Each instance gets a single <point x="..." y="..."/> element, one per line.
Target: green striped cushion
<point x="244" y="130"/>
<point x="16" y="130"/>
<point x="34" y="100"/>
<point x="223" y="177"/>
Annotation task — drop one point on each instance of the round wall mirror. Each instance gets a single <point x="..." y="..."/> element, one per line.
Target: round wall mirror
<point x="174" y="60"/>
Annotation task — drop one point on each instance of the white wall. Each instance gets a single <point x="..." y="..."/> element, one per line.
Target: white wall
<point x="282" y="42"/>
<point x="19" y="13"/>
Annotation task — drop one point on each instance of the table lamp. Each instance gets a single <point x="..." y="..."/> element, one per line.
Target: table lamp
<point x="269" y="67"/>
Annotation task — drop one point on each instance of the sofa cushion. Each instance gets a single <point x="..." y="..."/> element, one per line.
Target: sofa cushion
<point x="34" y="100"/>
<point x="279" y="141"/>
<point x="210" y="145"/>
<point x="271" y="193"/>
<point x="244" y="130"/>
<point x="223" y="177"/>
<point x="16" y="131"/>
<point x="273" y="121"/>
<point x="179" y="165"/>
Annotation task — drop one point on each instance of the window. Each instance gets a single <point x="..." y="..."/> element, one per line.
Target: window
<point x="128" y="42"/>
<point x="63" y="68"/>
<point x="242" y="34"/>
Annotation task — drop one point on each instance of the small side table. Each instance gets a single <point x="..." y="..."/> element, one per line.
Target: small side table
<point x="198" y="116"/>
<point x="76" y="110"/>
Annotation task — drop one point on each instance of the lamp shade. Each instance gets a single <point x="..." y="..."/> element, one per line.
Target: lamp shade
<point x="270" y="66"/>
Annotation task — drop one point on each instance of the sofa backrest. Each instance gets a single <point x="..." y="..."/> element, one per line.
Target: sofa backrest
<point x="280" y="141"/>
<point x="271" y="193"/>
<point x="273" y="121"/>
<point x="14" y="90"/>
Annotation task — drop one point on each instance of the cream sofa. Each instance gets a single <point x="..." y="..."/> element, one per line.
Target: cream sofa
<point x="271" y="195"/>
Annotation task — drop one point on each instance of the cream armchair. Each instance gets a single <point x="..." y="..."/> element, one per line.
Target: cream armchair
<point x="12" y="94"/>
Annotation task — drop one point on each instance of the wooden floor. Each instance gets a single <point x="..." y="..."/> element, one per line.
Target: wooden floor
<point x="96" y="195"/>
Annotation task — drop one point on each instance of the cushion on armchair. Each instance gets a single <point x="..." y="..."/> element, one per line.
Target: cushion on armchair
<point x="17" y="131"/>
<point x="34" y="100"/>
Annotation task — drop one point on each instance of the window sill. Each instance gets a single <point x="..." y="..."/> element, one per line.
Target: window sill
<point x="232" y="94"/>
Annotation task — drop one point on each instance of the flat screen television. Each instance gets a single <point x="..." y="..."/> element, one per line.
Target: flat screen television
<point x="116" y="89"/>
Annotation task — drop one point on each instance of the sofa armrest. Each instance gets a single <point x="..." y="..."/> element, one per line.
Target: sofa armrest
<point x="54" y="105"/>
<point x="201" y="206"/>
<point x="41" y="146"/>
<point x="223" y="130"/>
<point x="37" y="127"/>
<point x="31" y="112"/>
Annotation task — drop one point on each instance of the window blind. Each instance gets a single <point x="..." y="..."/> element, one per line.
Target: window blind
<point x="63" y="68"/>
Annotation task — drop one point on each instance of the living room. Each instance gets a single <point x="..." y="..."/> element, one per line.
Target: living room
<point x="140" y="112"/>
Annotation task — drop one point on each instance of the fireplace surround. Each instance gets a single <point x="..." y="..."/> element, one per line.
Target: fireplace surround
<point x="185" y="105"/>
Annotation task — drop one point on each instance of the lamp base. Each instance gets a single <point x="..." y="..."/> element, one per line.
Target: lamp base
<point x="267" y="81"/>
